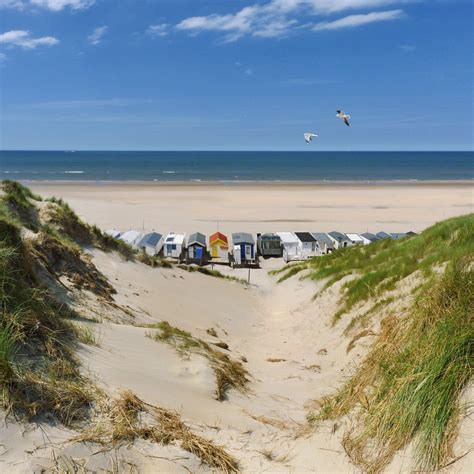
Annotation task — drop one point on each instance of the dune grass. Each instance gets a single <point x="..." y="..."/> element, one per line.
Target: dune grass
<point x="17" y="205"/>
<point x="211" y="272"/>
<point x="407" y="390"/>
<point x="228" y="372"/>
<point x="61" y="216"/>
<point x="38" y="371"/>
<point x="127" y="418"/>
<point x="380" y="266"/>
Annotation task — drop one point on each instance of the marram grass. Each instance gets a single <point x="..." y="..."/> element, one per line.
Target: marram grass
<point x="380" y="266"/>
<point x="408" y="388"/>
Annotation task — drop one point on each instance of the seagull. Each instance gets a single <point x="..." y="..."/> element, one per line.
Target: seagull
<point x="343" y="116"/>
<point x="309" y="136"/>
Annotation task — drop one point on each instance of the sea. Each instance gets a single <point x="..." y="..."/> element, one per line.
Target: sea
<point x="235" y="166"/>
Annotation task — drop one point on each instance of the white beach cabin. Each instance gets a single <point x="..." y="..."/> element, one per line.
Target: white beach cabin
<point x="357" y="239"/>
<point x="114" y="233"/>
<point x="289" y="242"/>
<point x="307" y="245"/>
<point x="131" y="237"/>
<point x="151" y="243"/>
<point x="339" y="239"/>
<point x="174" y="245"/>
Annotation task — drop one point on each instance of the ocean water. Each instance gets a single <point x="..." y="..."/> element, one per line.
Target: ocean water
<point x="235" y="166"/>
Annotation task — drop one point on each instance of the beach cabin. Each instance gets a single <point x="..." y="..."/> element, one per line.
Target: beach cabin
<point x="269" y="245"/>
<point x="243" y="250"/>
<point x="219" y="245"/>
<point x="173" y="246"/>
<point x="339" y="239"/>
<point x="357" y="239"/>
<point x="397" y="235"/>
<point x="383" y="235"/>
<point x="131" y="237"/>
<point x="289" y="242"/>
<point x="325" y="243"/>
<point x="370" y="237"/>
<point x="196" y="249"/>
<point x="151" y="243"/>
<point x="114" y="233"/>
<point x="308" y="247"/>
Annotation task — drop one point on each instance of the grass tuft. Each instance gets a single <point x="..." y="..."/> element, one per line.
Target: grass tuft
<point x="127" y="418"/>
<point x="228" y="372"/>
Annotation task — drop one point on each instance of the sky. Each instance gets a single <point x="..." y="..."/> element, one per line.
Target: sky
<point x="236" y="74"/>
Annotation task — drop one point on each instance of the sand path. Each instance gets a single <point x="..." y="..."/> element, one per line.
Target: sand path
<point x="266" y="321"/>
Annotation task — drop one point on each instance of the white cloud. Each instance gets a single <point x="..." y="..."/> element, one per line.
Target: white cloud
<point x="53" y="5"/>
<point x="18" y="4"/>
<point x="90" y="104"/>
<point x="279" y="18"/>
<point x="159" y="30"/>
<point x="97" y="35"/>
<point x="58" y="5"/>
<point x="352" y="21"/>
<point x="23" y="39"/>
<point x="3" y="57"/>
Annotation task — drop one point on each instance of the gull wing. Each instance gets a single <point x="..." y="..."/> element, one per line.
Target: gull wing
<point x="309" y="136"/>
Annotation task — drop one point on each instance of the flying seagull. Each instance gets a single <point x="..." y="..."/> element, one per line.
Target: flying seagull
<point x="309" y="136"/>
<point x="343" y="116"/>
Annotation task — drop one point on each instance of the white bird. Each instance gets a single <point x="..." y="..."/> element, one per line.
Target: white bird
<point x="343" y="116"/>
<point x="309" y="136"/>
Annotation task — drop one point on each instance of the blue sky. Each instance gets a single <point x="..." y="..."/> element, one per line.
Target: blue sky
<point x="236" y="74"/>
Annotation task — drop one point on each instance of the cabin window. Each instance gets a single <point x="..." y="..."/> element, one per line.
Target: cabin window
<point x="173" y="247"/>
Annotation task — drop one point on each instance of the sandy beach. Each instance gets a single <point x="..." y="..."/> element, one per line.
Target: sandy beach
<point x="204" y="207"/>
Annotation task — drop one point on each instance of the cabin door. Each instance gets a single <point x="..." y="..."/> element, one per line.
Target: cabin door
<point x="198" y="253"/>
<point x="248" y="252"/>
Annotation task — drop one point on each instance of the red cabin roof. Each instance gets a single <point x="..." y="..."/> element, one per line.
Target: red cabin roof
<point x="218" y="236"/>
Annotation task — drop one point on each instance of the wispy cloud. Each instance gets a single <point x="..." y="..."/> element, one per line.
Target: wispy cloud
<point x="3" y="58"/>
<point x="158" y="30"/>
<point x="352" y="21"/>
<point x="280" y="18"/>
<point x="97" y="35"/>
<point x="52" y="5"/>
<point x="23" y="39"/>
<point x="408" y="48"/>
<point x="88" y="103"/>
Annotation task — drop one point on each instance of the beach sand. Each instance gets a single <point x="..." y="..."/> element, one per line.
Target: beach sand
<point x="393" y="207"/>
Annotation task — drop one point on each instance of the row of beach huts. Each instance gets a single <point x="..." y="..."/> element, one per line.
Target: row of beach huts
<point x="242" y="249"/>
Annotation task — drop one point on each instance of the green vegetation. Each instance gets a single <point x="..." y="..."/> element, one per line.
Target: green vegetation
<point x="154" y="262"/>
<point x="378" y="267"/>
<point x="211" y="272"/>
<point x="228" y="373"/>
<point x="61" y="216"/>
<point x="85" y="333"/>
<point x="408" y="388"/>
<point x="38" y="371"/>
<point x="16" y="205"/>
